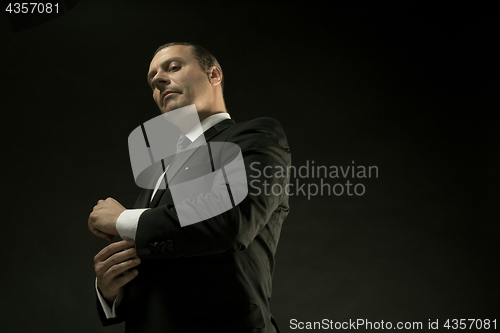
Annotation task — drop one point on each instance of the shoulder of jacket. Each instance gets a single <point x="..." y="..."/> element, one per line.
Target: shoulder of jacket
<point x="261" y="122"/>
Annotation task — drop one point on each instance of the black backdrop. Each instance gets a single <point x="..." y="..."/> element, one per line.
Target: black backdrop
<point x="411" y="90"/>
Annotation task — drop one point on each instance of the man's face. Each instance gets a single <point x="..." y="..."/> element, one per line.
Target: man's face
<point x="177" y="80"/>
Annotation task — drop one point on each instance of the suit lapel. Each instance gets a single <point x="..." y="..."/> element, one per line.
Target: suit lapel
<point x="143" y="199"/>
<point x="217" y="128"/>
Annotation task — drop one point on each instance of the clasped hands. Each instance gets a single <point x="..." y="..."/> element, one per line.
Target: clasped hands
<point x="115" y="259"/>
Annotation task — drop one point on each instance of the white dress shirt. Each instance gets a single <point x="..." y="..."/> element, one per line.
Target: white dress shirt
<point x="126" y="224"/>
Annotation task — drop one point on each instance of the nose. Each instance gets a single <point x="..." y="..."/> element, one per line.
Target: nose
<point x="160" y="79"/>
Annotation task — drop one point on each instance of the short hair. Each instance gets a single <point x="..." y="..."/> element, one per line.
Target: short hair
<point x="205" y="58"/>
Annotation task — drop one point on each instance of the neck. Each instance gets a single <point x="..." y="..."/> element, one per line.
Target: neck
<point x="218" y="107"/>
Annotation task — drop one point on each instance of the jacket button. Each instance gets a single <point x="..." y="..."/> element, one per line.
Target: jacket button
<point x="170" y="245"/>
<point x="153" y="247"/>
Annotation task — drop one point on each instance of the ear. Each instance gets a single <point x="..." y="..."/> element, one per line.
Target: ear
<point x="214" y="75"/>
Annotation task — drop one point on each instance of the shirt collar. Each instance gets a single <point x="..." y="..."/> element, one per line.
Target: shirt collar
<point x="205" y="124"/>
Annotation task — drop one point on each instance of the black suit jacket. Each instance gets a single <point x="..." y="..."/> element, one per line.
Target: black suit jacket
<point x="215" y="275"/>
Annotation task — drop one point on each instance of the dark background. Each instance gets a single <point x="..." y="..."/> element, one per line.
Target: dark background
<point x="412" y="90"/>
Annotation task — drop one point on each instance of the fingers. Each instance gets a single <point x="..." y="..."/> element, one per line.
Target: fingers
<point x="107" y="199"/>
<point x="111" y="262"/>
<point x="113" y="279"/>
<point x="116" y="270"/>
<point x="120" y="257"/>
<point x="114" y="260"/>
<point x="123" y="280"/>
<point x="113" y="286"/>
<point x="101" y="201"/>
<point x="112" y="249"/>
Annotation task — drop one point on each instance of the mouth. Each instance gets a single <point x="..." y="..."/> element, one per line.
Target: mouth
<point x="167" y="94"/>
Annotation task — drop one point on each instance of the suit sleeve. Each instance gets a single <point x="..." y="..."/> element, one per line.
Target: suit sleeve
<point x="266" y="158"/>
<point x="105" y="321"/>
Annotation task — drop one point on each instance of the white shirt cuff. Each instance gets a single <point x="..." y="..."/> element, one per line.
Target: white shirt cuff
<point x="109" y="312"/>
<point x="126" y="224"/>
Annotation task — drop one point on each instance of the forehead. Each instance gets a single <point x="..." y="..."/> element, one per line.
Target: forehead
<point x="175" y="51"/>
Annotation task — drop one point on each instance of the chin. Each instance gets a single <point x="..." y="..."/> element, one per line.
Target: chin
<point x="167" y="109"/>
<point x="174" y="106"/>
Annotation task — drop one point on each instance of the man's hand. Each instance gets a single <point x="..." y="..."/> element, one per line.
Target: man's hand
<point x="109" y="265"/>
<point x="102" y="220"/>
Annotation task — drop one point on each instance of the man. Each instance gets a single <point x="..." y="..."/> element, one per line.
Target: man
<point x="210" y="276"/>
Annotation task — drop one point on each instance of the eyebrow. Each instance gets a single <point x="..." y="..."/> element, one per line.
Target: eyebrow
<point x="168" y="61"/>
